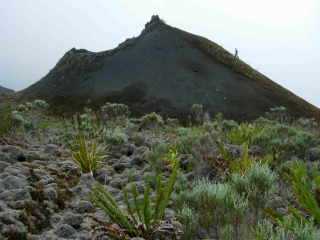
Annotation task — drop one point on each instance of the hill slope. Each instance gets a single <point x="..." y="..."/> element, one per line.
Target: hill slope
<point x="166" y="70"/>
<point x="4" y="90"/>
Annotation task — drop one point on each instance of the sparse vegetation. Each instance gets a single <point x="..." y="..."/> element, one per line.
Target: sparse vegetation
<point x="257" y="180"/>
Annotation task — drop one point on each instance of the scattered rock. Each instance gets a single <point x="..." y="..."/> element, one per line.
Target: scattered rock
<point x="119" y="167"/>
<point x="83" y="207"/>
<point x="65" y="231"/>
<point x="73" y="219"/>
<point x="3" y="166"/>
<point x="13" y="182"/>
<point x="102" y="176"/>
<point x="313" y="154"/>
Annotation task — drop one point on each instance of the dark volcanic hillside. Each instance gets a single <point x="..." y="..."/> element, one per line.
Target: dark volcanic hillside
<point x="4" y="90"/>
<point x="165" y="70"/>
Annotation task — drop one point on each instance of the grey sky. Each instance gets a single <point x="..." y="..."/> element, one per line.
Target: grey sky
<point x="279" y="38"/>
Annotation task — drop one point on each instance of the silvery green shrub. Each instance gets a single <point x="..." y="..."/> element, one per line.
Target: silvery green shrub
<point x="257" y="184"/>
<point x="86" y="121"/>
<point x="40" y="104"/>
<point x="20" y="121"/>
<point x="22" y="108"/>
<point x="151" y="121"/>
<point x="197" y="114"/>
<point x="289" y="229"/>
<point x="189" y="220"/>
<point x="114" y="111"/>
<point x="217" y="205"/>
<point x="115" y="136"/>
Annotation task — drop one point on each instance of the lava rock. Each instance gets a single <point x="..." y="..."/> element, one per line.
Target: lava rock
<point x="65" y="231"/>
<point x="102" y="175"/>
<point x="21" y="158"/>
<point x="73" y="219"/>
<point x="119" y="167"/>
<point x="13" y="182"/>
<point x="313" y="154"/>
<point x="83" y="207"/>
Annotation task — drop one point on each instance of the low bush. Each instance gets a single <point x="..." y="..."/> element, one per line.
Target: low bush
<point x="115" y="136"/>
<point x="151" y="121"/>
<point x="245" y="133"/>
<point x="213" y="207"/>
<point x="290" y="229"/>
<point x="115" y="112"/>
<point x="197" y="114"/>
<point x="6" y="120"/>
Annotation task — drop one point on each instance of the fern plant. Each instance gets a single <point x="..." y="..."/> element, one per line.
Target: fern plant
<point x="245" y="133"/>
<point x="144" y="214"/>
<point x="87" y="154"/>
<point x="305" y="186"/>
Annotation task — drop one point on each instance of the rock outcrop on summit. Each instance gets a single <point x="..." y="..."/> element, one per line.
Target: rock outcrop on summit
<point x="165" y="70"/>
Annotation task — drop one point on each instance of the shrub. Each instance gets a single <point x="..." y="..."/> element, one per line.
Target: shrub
<point x="22" y="108"/>
<point x="20" y="121"/>
<point x="238" y="207"/>
<point x="6" y="120"/>
<point x="115" y="136"/>
<point x="197" y="114"/>
<point x="114" y="112"/>
<point x="305" y="188"/>
<point x="144" y="215"/>
<point x="87" y="154"/>
<point x="216" y="205"/>
<point x="151" y="121"/>
<point x="279" y="114"/>
<point x="294" y="230"/>
<point x="40" y="104"/>
<point x="242" y="164"/>
<point x="245" y="133"/>
<point x="257" y="184"/>
<point x="172" y="122"/>
<point x="187" y="138"/>
<point x="284" y="140"/>
<point x="157" y="155"/>
<point x="86" y="121"/>
<point x="189" y="220"/>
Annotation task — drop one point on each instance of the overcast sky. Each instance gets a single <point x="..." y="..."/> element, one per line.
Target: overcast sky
<point x="279" y="38"/>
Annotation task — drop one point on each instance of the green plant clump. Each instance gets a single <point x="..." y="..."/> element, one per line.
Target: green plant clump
<point x="144" y="214"/>
<point x="87" y="154"/>
<point x="197" y="114"/>
<point x="114" y="112"/>
<point x="115" y="136"/>
<point x="151" y="121"/>
<point x="6" y="120"/>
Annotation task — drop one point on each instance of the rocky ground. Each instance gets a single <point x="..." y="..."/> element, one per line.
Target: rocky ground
<point x="45" y="196"/>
